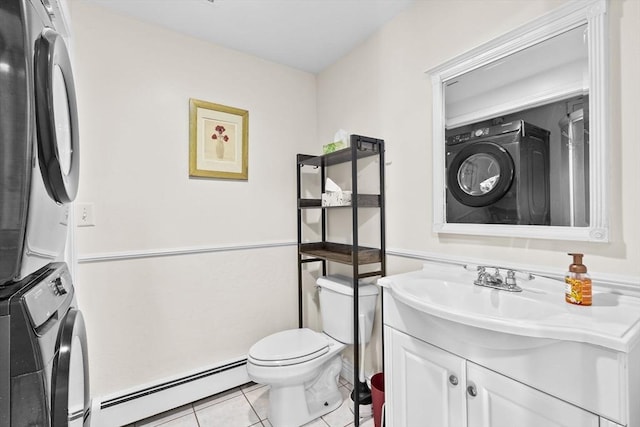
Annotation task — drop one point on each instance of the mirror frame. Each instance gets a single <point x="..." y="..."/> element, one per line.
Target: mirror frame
<point x="593" y="13"/>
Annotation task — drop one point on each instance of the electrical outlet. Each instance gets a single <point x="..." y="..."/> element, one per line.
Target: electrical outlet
<point x="84" y="215"/>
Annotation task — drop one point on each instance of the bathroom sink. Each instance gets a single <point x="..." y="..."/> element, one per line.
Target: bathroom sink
<point x="540" y="311"/>
<point x="453" y="299"/>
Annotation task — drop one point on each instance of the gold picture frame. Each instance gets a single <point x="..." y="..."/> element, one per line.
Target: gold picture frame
<point x="218" y="141"/>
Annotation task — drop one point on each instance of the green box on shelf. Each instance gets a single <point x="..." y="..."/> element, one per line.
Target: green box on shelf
<point x="333" y="146"/>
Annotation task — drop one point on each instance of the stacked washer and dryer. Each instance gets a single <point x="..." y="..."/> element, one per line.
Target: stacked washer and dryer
<point x="43" y="348"/>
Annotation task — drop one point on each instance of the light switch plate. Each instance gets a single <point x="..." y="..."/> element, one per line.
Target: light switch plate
<point x="85" y="215"/>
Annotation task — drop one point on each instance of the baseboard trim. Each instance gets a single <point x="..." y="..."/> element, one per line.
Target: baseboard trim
<point x="347" y="372"/>
<point x="133" y="405"/>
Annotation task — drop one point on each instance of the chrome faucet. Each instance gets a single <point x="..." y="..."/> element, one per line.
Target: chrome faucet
<point x="496" y="281"/>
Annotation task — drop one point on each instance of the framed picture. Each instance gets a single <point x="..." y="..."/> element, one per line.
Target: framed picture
<point x="218" y="141"/>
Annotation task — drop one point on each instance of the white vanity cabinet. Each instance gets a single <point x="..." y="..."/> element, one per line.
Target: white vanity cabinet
<point x="494" y="400"/>
<point x="425" y="386"/>
<point x="430" y="387"/>
<point x="443" y="373"/>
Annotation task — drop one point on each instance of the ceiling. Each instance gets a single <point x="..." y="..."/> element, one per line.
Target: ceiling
<point x="308" y="35"/>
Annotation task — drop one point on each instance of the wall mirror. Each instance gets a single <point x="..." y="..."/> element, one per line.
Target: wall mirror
<point x="520" y="131"/>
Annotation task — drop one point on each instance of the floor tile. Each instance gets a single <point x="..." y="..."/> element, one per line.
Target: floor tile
<point x="235" y="412"/>
<point x="245" y="406"/>
<point x="186" y="421"/>
<point x="343" y="415"/>
<point x="251" y="386"/>
<point x="217" y="398"/>
<point x="165" y="417"/>
<point x="317" y="423"/>
<point x="259" y="400"/>
<point x="367" y="423"/>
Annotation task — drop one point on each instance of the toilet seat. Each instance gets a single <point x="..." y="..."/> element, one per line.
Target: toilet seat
<point x="289" y="347"/>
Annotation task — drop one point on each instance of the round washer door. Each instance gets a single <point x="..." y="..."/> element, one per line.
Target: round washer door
<point x="480" y="174"/>
<point x="56" y="117"/>
<point x="70" y="394"/>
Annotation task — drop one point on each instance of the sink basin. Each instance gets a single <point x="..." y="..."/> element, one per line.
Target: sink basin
<point x="448" y="292"/>
<point x="456" y="299"/>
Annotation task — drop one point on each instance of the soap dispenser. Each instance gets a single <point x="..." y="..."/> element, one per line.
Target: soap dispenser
<point x="577" y="283"/>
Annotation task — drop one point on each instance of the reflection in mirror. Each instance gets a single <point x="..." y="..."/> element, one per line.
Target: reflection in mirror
<point x="550" y="70"/>
<point x="513" y="122"/>
<point x="513" y="178"/>
<point x="547" y="175"/>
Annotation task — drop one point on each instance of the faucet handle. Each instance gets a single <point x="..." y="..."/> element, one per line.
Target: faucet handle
<point x="511" y="278"/>
<point x="482" y="276"/>
<point x="482" y="273"/>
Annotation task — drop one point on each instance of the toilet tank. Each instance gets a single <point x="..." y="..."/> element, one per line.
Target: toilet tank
<point x="336" y="307"/>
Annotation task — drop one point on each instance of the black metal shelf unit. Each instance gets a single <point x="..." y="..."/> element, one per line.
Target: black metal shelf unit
<point x="349" y="254"/>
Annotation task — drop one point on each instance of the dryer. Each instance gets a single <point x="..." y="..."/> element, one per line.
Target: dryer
<point x="44" y="376"/>
<point x="39" y="157"/>
<point x="498" y="175"/>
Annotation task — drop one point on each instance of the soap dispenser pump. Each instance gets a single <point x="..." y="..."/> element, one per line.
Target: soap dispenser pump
<point x="577" y="283"/>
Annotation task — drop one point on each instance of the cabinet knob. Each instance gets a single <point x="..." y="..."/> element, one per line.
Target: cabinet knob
<point x="473" y="392"/>
<point x="453" y="379"/>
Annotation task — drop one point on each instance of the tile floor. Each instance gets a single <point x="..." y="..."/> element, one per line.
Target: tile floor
<point x="244" y="406"/>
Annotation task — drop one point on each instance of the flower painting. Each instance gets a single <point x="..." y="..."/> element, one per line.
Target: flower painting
<point x="221" y="142"/>
<point x="218" y="141"/>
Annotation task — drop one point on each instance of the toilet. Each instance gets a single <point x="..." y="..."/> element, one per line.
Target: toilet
<point x="302" y="366"/>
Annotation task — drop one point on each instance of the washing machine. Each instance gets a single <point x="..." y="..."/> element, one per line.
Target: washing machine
<point x="498" y="175"/>
<point x="44" y="377"/>
<point x="39" y="157"/>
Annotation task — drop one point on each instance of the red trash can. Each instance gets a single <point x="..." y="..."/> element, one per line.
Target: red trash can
<point x="377" y="396"/>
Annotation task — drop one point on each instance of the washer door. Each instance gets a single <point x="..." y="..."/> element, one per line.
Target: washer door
<point x="56" y="117"/>
<point x="70" y="397"/>
<point x="480" y="174"/>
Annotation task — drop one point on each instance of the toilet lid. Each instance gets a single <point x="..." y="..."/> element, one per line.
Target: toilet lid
<point x="289" y="347"/>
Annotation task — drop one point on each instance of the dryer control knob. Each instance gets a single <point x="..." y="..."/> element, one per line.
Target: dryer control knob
<point x="58" y="286"/>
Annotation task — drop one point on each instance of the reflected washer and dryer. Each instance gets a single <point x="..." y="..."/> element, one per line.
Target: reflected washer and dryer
<point x="39" y="157"/>
<point x="498" y="175"/>
<point x="44" y="377"/>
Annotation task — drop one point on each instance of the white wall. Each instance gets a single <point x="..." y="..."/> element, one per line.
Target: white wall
<point x="381" y="89"/>
<point x="161" y="316"/>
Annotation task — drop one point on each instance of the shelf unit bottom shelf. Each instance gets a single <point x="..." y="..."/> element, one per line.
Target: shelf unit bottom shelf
<point x="341" y="253"/>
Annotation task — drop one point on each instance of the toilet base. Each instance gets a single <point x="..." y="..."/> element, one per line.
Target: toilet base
<point x="295" y="405"/>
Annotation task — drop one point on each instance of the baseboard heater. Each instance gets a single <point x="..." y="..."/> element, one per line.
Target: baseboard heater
<point x="160" y="397"/>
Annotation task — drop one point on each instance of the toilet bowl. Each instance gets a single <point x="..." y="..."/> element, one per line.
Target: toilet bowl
<point x="302" y="366"/>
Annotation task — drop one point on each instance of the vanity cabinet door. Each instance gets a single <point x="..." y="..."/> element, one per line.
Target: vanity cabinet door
<point x="427" y="385"/>
<point x="494" y="400"/>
